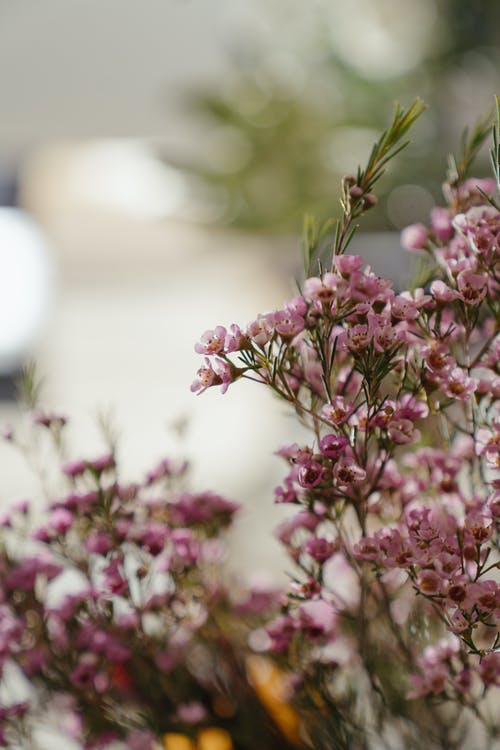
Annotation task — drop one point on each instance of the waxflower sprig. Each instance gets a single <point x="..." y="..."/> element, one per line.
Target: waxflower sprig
<point x="395" y="540"/>
<point x="357" y="191"/>
<point x="116" y="619"/>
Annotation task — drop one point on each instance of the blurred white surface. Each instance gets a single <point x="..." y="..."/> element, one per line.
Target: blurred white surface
<point x="25" y="286"/>
<point x="134" y="295"/>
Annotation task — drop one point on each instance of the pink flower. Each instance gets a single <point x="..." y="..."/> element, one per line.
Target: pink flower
<point x="102" y="463"/>
<point x="486" y="595"/>
<point x="287" y="324"/>
<point x="432" y="681"/>
<point x="402" y="431"/>
<point x="321" y="290"/>
<point x="24" y="574"/>
<point x="437" y="356"/>
<point x="429" y="582"/>
<point x="443" y="293"/>
<point x="457" y="385"/>
<point x="404" y="308"/>
<point x="338" y="410"/>
<point x="260" y="330"/>
<point x="479" y="525"/>
<point x="217" y="373"/>
<point x="317" y="618"/>
<point x="75" y="468"/>
<point x="297" y="305"/>
<point x="84" y="674"/>
<point x="204" y="507"/>
<point x="347" y="264"/>
<point x="414" y="237"/>
<point x="441" y="223"/>
<point x="234" y="340"/>
<point x="333" y="446"/>
<point x="60" y="520"/>
<point x="49" y="420"/>
<point x="281" y="632"/>
<point x="475" y="184"/>
<point x="140" y="739"/>
<point x="302" y="520"/>
<point x="187" y="548"/>
<point x="459" y="623"/>
<point x="166" y="468"/>
<point x="368" y="548"/>
<point x="205" y="377"/>
<point x="387" y="337"/>
<point x="225" y="373"/>
<point x="211" y="342"/>
<point x="319" y="549"/>
<point x="489" y="668"/>
<point x="411" y="408"/>
<point x="310" y="474"/>
<point x="358" y="338"/>
<point x="191" y="713"/>
<point x="114" y="581"/>
<point x="347" y="472"/>
<point x="488" y="444"/>
<point x="366" y="287"/>
<point x="472" y="287"/>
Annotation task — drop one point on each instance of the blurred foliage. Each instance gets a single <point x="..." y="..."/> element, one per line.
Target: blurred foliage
<point x="304" y="100"/>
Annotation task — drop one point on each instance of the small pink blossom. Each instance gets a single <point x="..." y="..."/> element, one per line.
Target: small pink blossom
<point x="317" y="618"/>
<point x="358" y="338"/>
<point x="333" y="446"/>
<point x="321" y="290"/>
<point x="442" y="292"/>
<point x="404" y="308"/>
<point x="114" y="581"/>
<point x="414" y="237"/>
<point x="489" y="668"/>
<point x="302" y="520"/>
<point x="310" y="474"/>
<point x="102" y="463"/>
<point x="441" y="223"/>
<point x="287" y="324"/>
<point x="457" y="385"/>
<point x="211" y="342"/>
<point x="402" y="431"/>
<point x="260" y="330"/>
<point x="320" y="549"/>
<point x="337" y="411"/>
<point x="191" y="713"/>
<point x="234" y="340"/>
<point x="347" y="264"/>
<point x="429" y="582"/>
<point x="281" y="631"/>
<point x="472" y="287"/>
<point x="60" y="520"/>
<point x="75" y="468"/>
<point x="347" y="472"/>
<point x="297" y="305"/>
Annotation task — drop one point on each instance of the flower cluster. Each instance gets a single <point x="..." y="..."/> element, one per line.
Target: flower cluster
<point x="397" y="494"/>
<point x="115" y="610"/>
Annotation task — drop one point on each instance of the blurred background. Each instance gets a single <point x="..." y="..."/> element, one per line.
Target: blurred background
<point x="156" y="160"/>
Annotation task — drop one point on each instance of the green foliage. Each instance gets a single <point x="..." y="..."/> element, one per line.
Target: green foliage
<point x="357" y="197"/>
<point x="471" y="143"/>
<point x="288" y="134"/>
<point x="29" y="385"/>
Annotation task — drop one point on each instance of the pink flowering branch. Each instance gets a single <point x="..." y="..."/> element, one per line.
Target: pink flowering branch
<point x="398" y="487"/>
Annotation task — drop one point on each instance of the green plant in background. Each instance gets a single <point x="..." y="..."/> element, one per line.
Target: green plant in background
<point x="308" y="94"/>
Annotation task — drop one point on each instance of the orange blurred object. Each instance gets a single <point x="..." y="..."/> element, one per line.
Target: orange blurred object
<point x="273" y="690"/>
<point x="177" y="742"/>
<point x="213" y="738"/>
